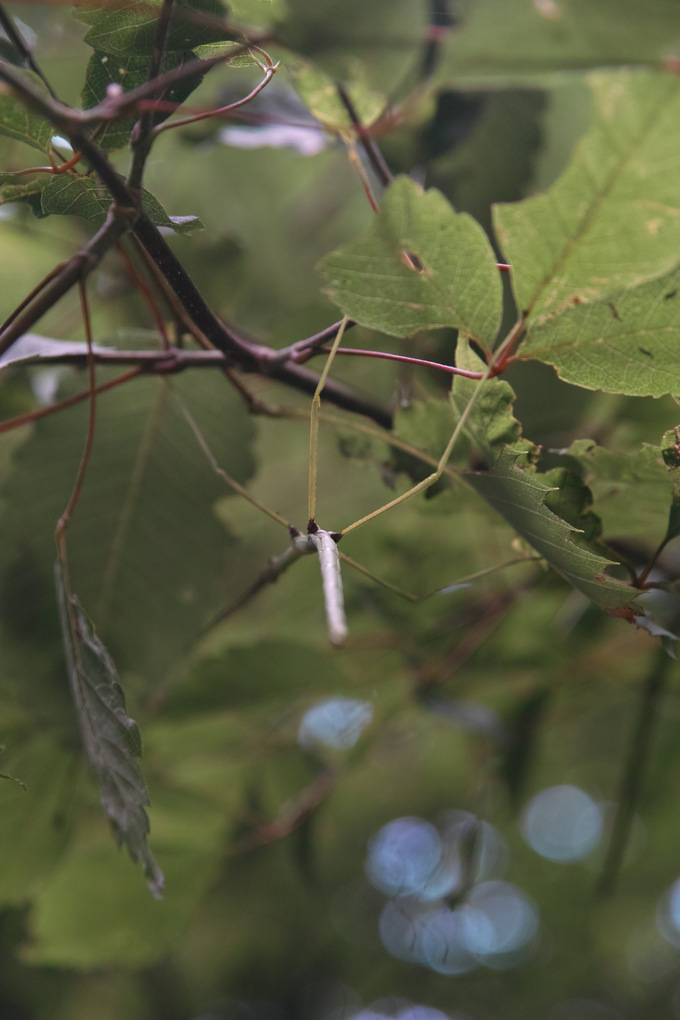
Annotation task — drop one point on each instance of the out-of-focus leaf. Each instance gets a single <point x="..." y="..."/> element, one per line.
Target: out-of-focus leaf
<point x="17" y="122"/>
<point x="248" y="677"/>
<point x="484" y="147"/>
<point x="519" y="496"/>
<point x="624" y="343"/>
<point x="570" y="244"/>
<point x="321" y="96"/>
<point x="221" y="49"/>
<point x="111" y="738"/>
<point x="87" y="197"/>
<point x="383" y="38"/>
<point x="255" y="13"/>
<point x="147" y="555"/>
<point x="421" y="266"/>
<point x="514" y="39"/>
<point x="36" y="822"/>
<point x="93" y="911"/>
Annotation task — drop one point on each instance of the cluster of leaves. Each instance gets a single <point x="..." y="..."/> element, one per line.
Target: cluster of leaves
<point x="576" y="470"/>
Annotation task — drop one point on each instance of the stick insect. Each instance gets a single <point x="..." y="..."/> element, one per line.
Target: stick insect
<point x="324" y="543"/>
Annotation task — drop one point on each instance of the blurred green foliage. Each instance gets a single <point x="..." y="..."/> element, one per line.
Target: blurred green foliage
<point x="510" y="683"/>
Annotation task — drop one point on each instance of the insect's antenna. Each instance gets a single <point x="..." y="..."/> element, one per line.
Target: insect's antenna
<point x="314" y="421"/>
<point x="231" y="482"/>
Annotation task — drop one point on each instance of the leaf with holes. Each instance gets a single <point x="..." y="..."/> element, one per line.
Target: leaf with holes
<point x="420" y="266"/>
<point x="626" y="342"/>
<point x="519" y="496"/>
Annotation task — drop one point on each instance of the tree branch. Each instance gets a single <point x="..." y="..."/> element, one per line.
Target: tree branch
<point x="126" y="212"/>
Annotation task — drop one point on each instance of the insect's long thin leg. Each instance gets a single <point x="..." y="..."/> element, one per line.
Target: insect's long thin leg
<point x="441" y="465"/>
<point x="461" y="582"/>
<point x="231" y="482"/>
<point x="300" y="544"/>
<point x="314" y="421"/>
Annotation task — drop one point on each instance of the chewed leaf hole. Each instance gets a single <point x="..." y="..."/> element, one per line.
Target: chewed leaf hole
<point x="412" y="261"/>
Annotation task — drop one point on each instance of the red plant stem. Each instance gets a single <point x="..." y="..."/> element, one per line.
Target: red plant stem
<point x="84" y="460"/>
<point x="223" y="111"/>
<point x="451" y="369"/>
<point x="62" y="405"/>
<point x="61" y="169"/>
<point x="29" y="297"/>
<point x="141" y="286"/>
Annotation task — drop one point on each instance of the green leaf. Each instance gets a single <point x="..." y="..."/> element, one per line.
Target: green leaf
<point x="37" y="821"/>
<point x="516" y="39"/>
<point x="267" y="674"/>
<point x="22" y="189"/>
<point x="147" y="555"/>
<point x="111" y="738"/>
<point x="382" y="38"/>
<point x="129" y="71"/>
<point x="519" y="496"/>
<point x="611" y="221"/>
<point x="207" y="51"/>
<point x="625" y="343"/>
<point x="70" y="195"/>
<point x="92" y="910"/>
<point x="420" y="266"/>
<point x="256" y="13"/>
<point x="129" y="29"/>
<point x="631" y="488"/>
<point x="490" y="425"/>
<point x="319" y="92"/>
<point x="19" y="123"/>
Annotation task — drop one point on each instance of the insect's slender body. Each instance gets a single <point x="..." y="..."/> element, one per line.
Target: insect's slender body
<point x="329" y="562"/>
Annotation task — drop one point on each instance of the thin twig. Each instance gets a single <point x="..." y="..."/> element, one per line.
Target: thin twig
<point x="59" y="282"/>
<point x="249" y="356"/>
<point x="15" y="37"/>
<point x="62" y="405"/>
<point x="222" y="111"/>
<point x="60" y="530"/>
<point x="141" y="136"/>
<point x="373" y="154"/>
